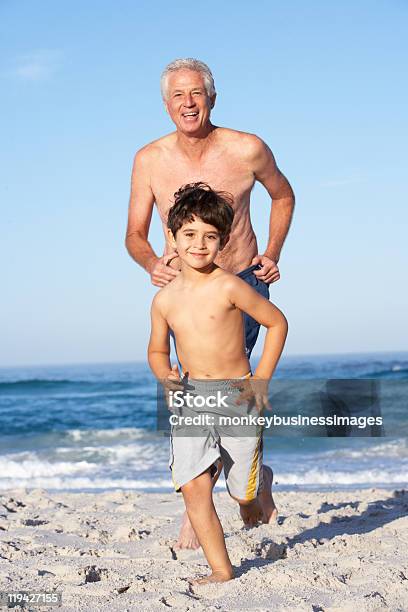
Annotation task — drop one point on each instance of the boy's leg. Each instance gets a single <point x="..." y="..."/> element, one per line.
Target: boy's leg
<point x="262" y="508"/>
<point x="248" y="481"/>
<point x="187" y="537"/>
<point x="201" y="511"/>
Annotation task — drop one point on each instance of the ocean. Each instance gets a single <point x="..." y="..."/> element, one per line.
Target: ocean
<point x="93" y="428"/>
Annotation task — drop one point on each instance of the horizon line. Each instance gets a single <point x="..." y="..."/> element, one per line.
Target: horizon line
<point x="255" y="357"/>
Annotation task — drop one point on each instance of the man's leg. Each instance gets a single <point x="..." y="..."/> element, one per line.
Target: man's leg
<point x="201" y="511"/>
<point x="265" y="499"/>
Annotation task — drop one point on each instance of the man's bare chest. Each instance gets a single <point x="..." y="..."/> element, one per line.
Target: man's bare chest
<point x="221" y="176"/>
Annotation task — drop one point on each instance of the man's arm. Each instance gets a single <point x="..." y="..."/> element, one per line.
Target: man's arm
<point x="159" y="343"/>
<point x="262" y="310"/>
<point x="140" y="214"/>
<point x="283" y="201"/>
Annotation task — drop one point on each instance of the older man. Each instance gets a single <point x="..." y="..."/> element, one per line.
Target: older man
<point x="226" y="159"/>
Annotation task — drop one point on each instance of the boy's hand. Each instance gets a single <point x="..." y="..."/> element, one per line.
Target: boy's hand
<point x="172" y="383"/>
<point x="255" y="392"/>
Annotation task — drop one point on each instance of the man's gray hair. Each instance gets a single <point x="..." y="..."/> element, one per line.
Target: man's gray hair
<point x="188" y="63"/>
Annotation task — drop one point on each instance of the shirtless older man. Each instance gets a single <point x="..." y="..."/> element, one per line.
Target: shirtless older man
<point x="228" y="160"/>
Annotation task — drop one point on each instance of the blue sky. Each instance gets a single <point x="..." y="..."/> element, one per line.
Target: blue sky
<point x="322" y="83"/>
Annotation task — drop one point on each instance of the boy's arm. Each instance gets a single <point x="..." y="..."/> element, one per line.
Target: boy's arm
<point x="159" y="343"/>
<point x="262" y="310"/>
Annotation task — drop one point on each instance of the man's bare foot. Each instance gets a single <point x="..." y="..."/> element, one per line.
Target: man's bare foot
<point x="217" y="576"/>
<point x="269" y="510"/>
<point x="187" y="537"/>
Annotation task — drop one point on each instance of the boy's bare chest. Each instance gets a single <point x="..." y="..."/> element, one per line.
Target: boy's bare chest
<point x="191" y="313"/>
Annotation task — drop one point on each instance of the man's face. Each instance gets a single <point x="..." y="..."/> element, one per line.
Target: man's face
<point x="197" y="243"/>
<point x="188" y="103"/>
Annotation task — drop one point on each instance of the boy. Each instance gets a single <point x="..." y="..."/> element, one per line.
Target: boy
<point x="204" y="307"/>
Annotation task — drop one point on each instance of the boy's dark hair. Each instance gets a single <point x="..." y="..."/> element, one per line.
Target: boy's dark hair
<point x="198" y="199"/>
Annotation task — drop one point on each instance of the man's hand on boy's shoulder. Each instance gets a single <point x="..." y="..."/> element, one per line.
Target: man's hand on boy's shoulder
<point x="163" y="269"/>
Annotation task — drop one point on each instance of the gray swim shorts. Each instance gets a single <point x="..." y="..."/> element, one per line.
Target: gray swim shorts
<point x="195" y="449"/>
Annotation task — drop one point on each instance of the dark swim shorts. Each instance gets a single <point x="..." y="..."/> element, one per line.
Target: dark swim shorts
<point x="251" y="326"/>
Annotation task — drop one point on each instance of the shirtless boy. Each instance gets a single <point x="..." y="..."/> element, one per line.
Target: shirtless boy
<point x="204" y="307"/>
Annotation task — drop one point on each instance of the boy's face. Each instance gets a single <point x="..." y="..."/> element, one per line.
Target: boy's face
<point x="197" y="243"/>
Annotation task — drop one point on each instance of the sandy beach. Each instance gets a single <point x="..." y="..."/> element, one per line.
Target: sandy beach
<point x="343" y="550"/>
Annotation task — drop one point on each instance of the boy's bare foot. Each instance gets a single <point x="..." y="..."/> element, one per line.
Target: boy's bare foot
<point x="187" y="537"/>
<point x="269" y="510"/>
<point x="251" y="514"/>
<point x="218" y="576"/>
